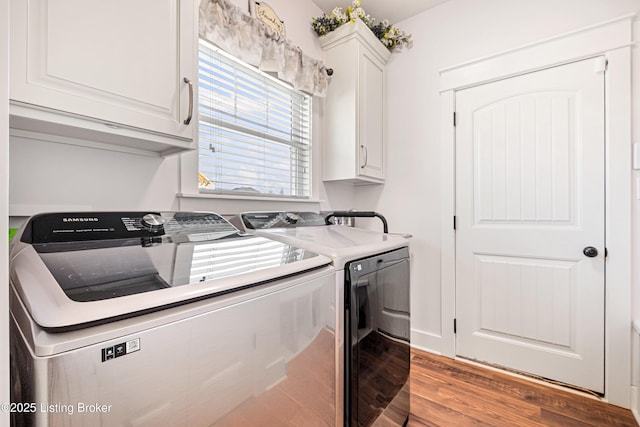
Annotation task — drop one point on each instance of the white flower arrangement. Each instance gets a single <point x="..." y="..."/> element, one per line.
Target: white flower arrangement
<point x="390" y="36"/>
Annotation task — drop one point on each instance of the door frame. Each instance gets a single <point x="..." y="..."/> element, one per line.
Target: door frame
<point x="612" y="39"/>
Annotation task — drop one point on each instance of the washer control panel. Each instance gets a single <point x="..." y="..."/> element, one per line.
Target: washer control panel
<point x="91" y="226"/>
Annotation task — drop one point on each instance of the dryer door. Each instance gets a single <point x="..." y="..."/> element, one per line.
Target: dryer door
<point x="378" y="327"/>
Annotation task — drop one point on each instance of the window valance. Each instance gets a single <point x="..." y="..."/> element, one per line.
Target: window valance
<point x="251" y="41"/>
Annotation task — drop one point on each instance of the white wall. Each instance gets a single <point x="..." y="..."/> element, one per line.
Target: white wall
<point x="449" y="34"/>
<point x="49" y="176"/>
<point x="4" y="186"/>
<point x="636" y="140"/>
<point x="635" y="348"/>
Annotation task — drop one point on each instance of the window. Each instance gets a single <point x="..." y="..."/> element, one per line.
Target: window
<point x="254" y="130"/>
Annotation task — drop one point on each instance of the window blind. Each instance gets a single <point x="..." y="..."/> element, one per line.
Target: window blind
<point x="254" y="130"/>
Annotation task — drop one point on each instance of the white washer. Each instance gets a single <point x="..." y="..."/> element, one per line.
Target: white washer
<point x="373" y="281"/>
<point x="131" y="318"/>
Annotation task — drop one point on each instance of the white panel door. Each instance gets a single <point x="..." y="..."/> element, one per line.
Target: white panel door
<point x="529" y="200"/>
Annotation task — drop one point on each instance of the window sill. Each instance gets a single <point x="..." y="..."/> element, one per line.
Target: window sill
<point x="247" y="197"/>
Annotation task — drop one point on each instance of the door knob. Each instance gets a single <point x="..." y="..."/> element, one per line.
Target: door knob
<point x="590" y="251"/>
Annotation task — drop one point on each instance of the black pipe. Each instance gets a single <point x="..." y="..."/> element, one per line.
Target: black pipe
<point x="357" y="214"/>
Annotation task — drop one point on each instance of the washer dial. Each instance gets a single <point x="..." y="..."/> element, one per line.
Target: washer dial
<point x="153" y="222"/>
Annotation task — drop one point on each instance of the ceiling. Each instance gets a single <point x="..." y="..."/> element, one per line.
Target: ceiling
<point x="394" y="11"/>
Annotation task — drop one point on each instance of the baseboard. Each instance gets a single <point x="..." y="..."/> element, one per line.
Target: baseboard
<point x="426" y="341"/>
<point x="635" y="371"/>
<point x="635" y="405"/>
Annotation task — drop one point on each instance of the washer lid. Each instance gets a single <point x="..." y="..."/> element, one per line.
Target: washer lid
<point x="66" y="278"/>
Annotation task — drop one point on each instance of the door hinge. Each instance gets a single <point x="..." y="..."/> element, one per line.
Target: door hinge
<point x="454" y="118"/>
<point x="606" y="252"/>
<point x="455" y="329"/>
<point x="454" y="222"/>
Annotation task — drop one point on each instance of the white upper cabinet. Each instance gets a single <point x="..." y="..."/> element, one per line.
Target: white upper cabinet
<point x="115" y="71"/>
<point x="354" y="107"/>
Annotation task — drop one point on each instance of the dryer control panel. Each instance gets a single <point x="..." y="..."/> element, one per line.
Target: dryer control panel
<point x="264" y="220"/>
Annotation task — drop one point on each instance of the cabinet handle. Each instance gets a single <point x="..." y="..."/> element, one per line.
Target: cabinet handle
<point x="190" y="83"/>
<point x="366" y="157"/>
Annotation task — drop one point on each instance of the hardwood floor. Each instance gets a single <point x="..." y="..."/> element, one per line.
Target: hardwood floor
<point x="444" y="392"/>
<point x="451" y="393"/>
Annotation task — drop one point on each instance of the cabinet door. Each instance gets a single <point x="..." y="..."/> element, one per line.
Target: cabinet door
<point x="120" y="62"/>
<point x="371" y="118"/>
